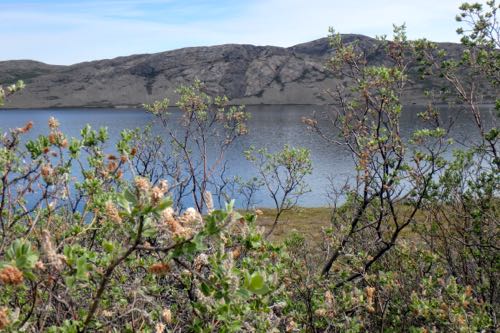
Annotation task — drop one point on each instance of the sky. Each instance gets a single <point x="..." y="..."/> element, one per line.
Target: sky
<point x="67" y="32"/>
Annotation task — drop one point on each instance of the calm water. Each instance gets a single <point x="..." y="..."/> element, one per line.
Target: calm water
<point x="270" y="126"/>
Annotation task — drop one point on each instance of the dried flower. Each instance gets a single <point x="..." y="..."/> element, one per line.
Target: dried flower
<point x="209" y="201"/>
<point x="468" y="291"/>
<point x="55" y="260"/>
<point x="191" y="213"/>
<point x="11" y="275"/>
<point x="185" y="233"/>
<point x="168" y="218"/>
<point x="159" y="328"/>
<point x="309" y="121"/>
<point x="111" y="166"/>
<point x="163" y="185"/>
<point x="112" y="213"/>
<point x="291" y="326"/>
<point x="174" y="224"/>
<point x="123" y="158"/>
<point x="236" y="253"/>
<point x="320" y="312"/>
<point x="168" y="213"/>
<point x="159" y="268"/>
<point x="53" y="123"/>
<point x="142" y="184"/>
<point x="156" y="195"/>
<point x="167" y="316"/>
<point x="4" y="318"/>
<point x="52" y="138"/>
<point x="39" y="265"/>
<point x="26" y="128"/>
<point x="329" y="298"/>
<point x="190" y="216"/>
<point x="46" y="171"/>
<point x="370" y="292"/>
<point x="200" y="261"/>
<point x="107" y="313"/>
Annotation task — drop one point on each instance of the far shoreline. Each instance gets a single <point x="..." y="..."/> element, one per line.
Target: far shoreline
<point x="136" y="107"/>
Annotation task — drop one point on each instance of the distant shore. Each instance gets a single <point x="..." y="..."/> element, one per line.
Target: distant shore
<point x="139" y="107"/>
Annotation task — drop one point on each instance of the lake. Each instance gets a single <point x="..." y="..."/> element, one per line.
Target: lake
<point x="271" y="126"/>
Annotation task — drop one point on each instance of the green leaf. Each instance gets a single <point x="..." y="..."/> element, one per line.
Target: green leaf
<point x="167" y="202"/>
<point x="205" y="289"/>
<point x="108" y="246"/>
<point x="229" y="206"/>
<point x="256" y="283"/>
<point x="130" y="197"/>
<point x="81" y="268"/>
<point x="124" y="203"/>
<point x="21" y="254"/>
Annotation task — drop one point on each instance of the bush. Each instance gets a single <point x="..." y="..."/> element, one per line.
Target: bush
<point x="96" y="240"/>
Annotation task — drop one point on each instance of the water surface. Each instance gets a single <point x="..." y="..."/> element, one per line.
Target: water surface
<point x="271" y="126"/>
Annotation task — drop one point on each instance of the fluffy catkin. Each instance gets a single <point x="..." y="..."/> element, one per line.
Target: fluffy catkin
<point x="53" y="259"/>
<point x="208" y="201"/>
<point x="4" y="318"/>
<point x="11" y="275"/>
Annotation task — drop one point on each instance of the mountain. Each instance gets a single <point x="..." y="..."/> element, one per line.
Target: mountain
<point x="247" y="74"/>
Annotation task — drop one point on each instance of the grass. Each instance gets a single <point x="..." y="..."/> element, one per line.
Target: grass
<point x="309" y="222"/>
<point x="306" y="221"/>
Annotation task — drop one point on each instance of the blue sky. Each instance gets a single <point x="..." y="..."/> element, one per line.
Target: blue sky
<point x="66" y="32"/>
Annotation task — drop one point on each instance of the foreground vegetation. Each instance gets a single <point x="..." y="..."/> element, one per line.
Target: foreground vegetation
<point x="99" y="240"/>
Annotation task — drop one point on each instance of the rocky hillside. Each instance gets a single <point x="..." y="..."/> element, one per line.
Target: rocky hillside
<point x="245" y="73"/>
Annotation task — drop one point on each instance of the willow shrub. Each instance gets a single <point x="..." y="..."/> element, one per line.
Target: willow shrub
<point x="99" y="252"/>
<point x="88" y="245"/>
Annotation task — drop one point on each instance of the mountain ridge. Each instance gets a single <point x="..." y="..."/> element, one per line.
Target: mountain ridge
<point x="247" y="74"/>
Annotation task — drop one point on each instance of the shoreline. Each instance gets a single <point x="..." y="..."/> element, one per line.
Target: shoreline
<point x="134" y="108"/>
